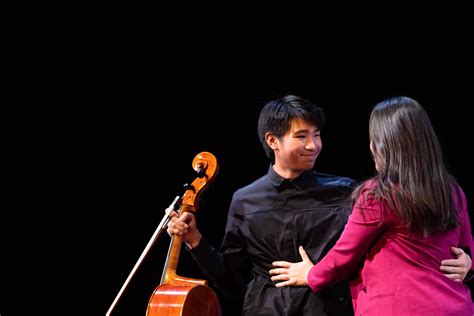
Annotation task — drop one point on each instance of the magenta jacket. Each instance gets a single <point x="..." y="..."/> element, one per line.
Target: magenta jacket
<point x="399" y="272"/>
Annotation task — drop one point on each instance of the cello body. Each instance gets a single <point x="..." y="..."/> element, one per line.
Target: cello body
<point x="192" y="300"/>
<point x="177" y="295"/>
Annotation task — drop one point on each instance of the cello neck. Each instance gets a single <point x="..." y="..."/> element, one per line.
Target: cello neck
<point x="169" y="270"/>
<point x="169" y="275"/>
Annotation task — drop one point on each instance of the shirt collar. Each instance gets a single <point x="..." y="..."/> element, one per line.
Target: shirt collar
<point x="305" y="180"/>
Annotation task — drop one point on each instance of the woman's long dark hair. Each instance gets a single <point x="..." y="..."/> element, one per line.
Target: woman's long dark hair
<point x="412" y="177"/>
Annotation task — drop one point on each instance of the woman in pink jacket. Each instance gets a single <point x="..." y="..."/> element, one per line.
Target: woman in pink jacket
<point x="404" y="222"/>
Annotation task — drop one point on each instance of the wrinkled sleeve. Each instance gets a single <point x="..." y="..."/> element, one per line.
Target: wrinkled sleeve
<point x="365" y="224"/>
<point x="228" y="269"/>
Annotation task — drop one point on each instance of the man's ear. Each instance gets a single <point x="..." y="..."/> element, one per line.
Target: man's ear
<point x="271" y="141"/>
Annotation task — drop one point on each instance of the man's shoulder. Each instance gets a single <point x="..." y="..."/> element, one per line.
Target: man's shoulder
<point x="334" y="180"/>
<point x="252" y="187"/>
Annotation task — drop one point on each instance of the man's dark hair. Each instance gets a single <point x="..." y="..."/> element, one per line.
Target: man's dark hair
<point x="276" y="117"/>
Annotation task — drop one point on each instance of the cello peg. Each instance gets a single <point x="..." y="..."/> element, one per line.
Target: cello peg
<point x="188" y="186"/>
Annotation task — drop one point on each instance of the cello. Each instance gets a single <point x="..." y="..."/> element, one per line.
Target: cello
<point x="178" y="295"/>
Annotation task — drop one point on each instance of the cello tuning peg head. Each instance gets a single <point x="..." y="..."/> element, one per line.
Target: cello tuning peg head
<point x="188" y="186"/>
<point x="201" y="172"/>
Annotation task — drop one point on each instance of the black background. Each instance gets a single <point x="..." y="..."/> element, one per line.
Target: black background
<point x="112" y="131"/>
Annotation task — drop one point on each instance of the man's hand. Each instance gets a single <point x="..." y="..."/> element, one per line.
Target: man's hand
<point x="457" y="269"/>
<point x="184" y="226"/>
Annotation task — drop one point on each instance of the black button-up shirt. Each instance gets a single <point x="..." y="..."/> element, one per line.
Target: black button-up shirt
<point x="268" y="220"/>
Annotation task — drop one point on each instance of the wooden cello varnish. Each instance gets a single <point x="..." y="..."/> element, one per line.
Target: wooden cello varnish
<point x="177" y="295"/>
